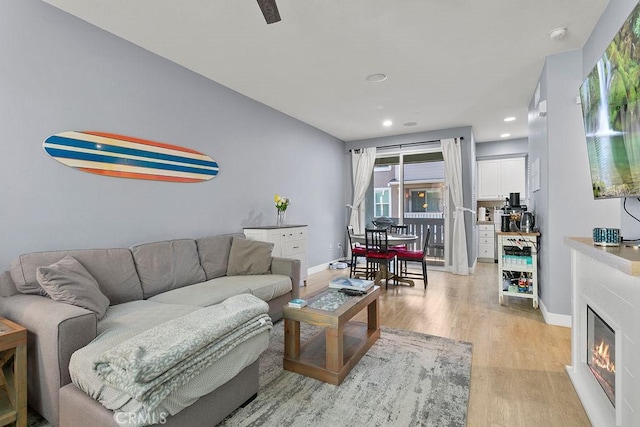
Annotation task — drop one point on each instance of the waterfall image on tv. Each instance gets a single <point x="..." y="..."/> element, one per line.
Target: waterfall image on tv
<point x="611" y="112"/>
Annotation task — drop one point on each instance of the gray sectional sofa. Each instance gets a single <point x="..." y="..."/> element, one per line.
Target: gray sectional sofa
<point x="182" y="272"/>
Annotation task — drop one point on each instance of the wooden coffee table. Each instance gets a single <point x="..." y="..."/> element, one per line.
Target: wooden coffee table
<point x="331" y="355"/>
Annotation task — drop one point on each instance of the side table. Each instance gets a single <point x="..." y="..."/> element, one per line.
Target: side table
<point x="13" y="373"/>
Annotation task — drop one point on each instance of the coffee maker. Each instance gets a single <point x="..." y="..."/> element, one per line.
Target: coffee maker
<point x="513" y="212"/>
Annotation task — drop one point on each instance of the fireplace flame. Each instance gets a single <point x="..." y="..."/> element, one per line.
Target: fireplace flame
<point x="600" y="357"/>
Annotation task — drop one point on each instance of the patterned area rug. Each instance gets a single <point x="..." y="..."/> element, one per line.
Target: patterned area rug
<point x="406" y="378"/>
<point x="35" y="420"/>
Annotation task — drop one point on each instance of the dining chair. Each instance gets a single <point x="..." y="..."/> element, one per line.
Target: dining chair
<point x="405" y="256"/>
<point x="357" y="251"/>
<point x="398" y="229"/>
<point x="379" y="254"/>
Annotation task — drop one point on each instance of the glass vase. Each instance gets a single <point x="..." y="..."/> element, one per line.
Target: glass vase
<point x="280" y="218"/>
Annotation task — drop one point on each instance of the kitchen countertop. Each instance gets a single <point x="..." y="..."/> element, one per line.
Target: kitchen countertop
<point x="485" y="222"/>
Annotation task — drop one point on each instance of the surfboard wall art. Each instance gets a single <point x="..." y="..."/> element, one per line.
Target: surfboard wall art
<point x="127" y="157"/>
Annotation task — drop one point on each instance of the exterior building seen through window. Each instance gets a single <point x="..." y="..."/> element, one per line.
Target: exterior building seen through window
<point x="382" y="206"/>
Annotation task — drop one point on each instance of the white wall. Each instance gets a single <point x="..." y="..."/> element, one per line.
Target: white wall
<point x="59" y="73"/>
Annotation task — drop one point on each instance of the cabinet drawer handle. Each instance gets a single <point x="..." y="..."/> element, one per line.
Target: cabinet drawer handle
<point x="296" y="247"/>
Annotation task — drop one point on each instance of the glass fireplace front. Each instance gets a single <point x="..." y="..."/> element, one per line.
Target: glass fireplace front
<point x="601" y="353"/>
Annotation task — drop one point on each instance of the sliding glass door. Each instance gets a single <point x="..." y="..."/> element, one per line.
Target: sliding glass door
<point x="410" y="189"/>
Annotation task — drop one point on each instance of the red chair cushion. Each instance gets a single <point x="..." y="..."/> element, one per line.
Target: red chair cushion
<point x="359" y="251"/>
<point x="381" y="255"/>
<point x="410" y="255"/>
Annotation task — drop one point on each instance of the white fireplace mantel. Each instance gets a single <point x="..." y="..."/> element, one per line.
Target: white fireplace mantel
<point x="608" y="280"/>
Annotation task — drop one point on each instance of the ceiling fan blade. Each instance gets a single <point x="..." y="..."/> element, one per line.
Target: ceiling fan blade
<point x="269" y="10"/>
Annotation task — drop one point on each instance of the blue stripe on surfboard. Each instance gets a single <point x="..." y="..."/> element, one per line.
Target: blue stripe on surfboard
<point x="71" y="142"/>
<point x="65" y="154"/>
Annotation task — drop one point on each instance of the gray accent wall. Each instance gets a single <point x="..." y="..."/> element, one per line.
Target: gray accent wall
<point x="609" y="24"/>
<point x="503" y="148"/>
<point x="58" y="73"/>
<point x="468" y="169"/>
<point x="564" y="205"/>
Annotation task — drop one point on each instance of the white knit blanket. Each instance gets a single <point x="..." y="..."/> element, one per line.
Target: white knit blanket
<point x="146" y="371"/>
<point x="151" y="365"/>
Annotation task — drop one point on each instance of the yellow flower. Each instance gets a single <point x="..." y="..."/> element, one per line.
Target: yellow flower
<point x="276" y="198"/>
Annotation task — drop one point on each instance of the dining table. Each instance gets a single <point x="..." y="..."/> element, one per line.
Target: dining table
<point x="392" y="240"/>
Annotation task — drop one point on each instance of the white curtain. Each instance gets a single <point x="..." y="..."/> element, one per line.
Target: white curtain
<point x="453" y="167"/>
<point x="362" y="166"/>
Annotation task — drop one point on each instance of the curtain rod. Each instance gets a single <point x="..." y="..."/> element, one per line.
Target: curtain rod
<point x="409" y="144"/>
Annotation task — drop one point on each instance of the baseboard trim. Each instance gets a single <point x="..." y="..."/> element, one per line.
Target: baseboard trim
<point x="321" y="267"/>
<point x="554" y="318"/>
<point x="472" y="269"/>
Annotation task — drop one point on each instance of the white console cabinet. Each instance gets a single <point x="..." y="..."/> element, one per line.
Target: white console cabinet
<point x="289" y="241"/>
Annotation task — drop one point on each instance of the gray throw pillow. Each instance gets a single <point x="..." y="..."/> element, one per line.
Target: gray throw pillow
<point x="249" y="257"/>
<point x="69" y="282"/>
<point x="214" y="254"/>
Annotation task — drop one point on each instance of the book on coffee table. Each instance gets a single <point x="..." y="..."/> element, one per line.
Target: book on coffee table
<point x="297" y="303"/>
<point x="350" y="283"/>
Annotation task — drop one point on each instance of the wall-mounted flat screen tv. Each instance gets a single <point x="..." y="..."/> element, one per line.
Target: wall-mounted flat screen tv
<point x="611" y="110"/>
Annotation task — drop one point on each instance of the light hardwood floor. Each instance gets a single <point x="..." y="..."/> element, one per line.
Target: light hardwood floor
<point x="518" y="375"/>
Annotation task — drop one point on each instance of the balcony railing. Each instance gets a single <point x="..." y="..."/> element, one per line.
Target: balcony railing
<point x="417" y="224"/>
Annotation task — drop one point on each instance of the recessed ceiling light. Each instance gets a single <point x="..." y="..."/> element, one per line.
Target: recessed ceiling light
<point x="379" y="77"/>
<point x="558" y="33"/>
<point x="410" y="124"/>
<point x="509" y="119"/>
<point x="387" y="123"/>
<point x="505" y="135"/>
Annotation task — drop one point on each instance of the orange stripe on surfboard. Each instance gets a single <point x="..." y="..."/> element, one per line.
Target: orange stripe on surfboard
<point x="152" y="177"/>
<point x="142" y="141"/>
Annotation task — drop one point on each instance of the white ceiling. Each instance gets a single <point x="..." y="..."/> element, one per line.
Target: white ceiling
<point x="449" y="62"/>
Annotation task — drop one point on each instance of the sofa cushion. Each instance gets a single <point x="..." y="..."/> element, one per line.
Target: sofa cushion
<point x="214" y="254"/>
<point x="19" y="276"/>
<point x="248" y="257"/>
<point x="113" y="269"/>
<point x="69" y="282"/>
<point x="7" y="287"/>
<point x="265" y="287"/>
<point x="269" y="286"/>
<point x="167" y="265"/>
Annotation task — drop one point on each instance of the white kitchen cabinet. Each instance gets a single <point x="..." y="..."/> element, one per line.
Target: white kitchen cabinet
<point x="289" y="241"/>
<point x="497" y="178"/>
<point x="486" y="243"/>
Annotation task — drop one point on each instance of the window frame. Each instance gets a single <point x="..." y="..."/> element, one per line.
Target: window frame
<point x="386" y="190"/>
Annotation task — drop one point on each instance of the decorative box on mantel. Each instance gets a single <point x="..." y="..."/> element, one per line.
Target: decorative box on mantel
<point x="289" y="241"/>
<point x="605" y="334"/>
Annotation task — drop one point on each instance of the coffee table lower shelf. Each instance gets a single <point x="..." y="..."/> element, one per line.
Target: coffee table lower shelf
<point x="316" y="361"/>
